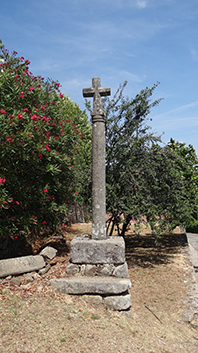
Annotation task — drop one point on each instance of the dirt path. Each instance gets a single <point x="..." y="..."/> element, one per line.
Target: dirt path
<point x="34" y="318"/>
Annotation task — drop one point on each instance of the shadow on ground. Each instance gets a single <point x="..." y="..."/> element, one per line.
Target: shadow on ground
<point x="11" y="248"/>
<point x="142" y="250"/>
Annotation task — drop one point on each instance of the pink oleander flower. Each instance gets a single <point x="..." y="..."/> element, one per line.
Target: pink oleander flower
<point x="31" y="89"/>
<point x="45" y="119"/>
<point x="61" y="95"/>
<point x="2" y="180"/>
<point x="9" y="139"/>
<point x="20" y="116"/>
<point x="2" y="111"/>
<point x="34" y="117"/>
<point x="76" y="193"/>
<point x="43" y="108"/>
<point x="72" y="166"/>
<point x="29" y="135"/>
<point x="67" y="120"/>
<point x="17" y="202"/>
<point x="22" y="95"/>
<point x="44" y="222"/>
<point x="47" y="147"/>
<point x="25" y="109"/>
<point x="45" y="190"/>
<point x="40" y="156"/>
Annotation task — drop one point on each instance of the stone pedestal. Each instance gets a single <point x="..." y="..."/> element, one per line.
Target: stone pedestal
<point x="97" y="268"/>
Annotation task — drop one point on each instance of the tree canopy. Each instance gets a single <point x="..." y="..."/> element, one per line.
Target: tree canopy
<point x="145" y="179"/>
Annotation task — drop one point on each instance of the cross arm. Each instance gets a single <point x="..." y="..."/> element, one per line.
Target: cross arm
<point x="89" y="92"/>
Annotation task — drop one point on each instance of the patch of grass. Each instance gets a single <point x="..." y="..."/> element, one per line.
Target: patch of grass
<point x="6" y="292"/>
<point x="171" y="300"/>
<point x="95" y="317"/>
<point x="85" y="313"/>
<point x="14" y="303"/>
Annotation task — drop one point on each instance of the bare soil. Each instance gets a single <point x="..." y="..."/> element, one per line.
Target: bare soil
<point x="35" y="318"/>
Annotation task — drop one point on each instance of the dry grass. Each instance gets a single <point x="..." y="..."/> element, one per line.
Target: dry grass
<point x="34" y="318"/>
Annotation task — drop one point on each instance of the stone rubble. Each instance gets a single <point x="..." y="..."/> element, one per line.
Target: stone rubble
<point x="27" y="264"/>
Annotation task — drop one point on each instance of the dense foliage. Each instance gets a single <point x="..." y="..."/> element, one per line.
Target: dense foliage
<point x="188" y="165"/>
<point x="45" y="158"/>
<point x="42" y="133"/>
<point x="145" y="181"/>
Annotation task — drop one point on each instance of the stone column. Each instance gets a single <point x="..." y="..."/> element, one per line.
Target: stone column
<point x="98" y="159"/>
<point x="98" y="178"/>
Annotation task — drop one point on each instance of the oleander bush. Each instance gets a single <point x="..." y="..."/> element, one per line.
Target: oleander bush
<point x="39" y="148"/>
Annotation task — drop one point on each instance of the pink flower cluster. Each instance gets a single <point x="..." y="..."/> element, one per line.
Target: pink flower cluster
<point x="2" y="180"/>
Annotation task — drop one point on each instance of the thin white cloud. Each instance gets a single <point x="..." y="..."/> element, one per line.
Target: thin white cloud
<point x="194" y="54"/>
<point x="141" y="4"/>
<point x="180" y="119"/>
<point x="75" y="84"/>
<point x="129" y="76"/>
<point x="178" y="110"/>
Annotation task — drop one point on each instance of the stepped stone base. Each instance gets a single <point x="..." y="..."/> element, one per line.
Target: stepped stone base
<point x="99" y="270"/>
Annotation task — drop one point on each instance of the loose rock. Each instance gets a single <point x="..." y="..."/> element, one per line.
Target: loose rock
<point x="48" y="252"/>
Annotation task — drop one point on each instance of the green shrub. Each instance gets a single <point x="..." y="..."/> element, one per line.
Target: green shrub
<point x="37" y="144"/>
<point x="192" y="227"/>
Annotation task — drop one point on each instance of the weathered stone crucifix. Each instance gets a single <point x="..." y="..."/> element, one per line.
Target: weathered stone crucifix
<point x="99" y="262"/>
<point x="98" y="158"/>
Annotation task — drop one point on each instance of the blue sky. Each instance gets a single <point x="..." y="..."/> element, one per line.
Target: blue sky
<point x="141" y="41"/>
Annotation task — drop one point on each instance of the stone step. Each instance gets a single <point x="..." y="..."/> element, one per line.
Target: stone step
<point x="91" y="285"/>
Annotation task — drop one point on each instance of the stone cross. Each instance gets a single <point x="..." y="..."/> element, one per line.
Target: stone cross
<point x="98" y="159"/>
